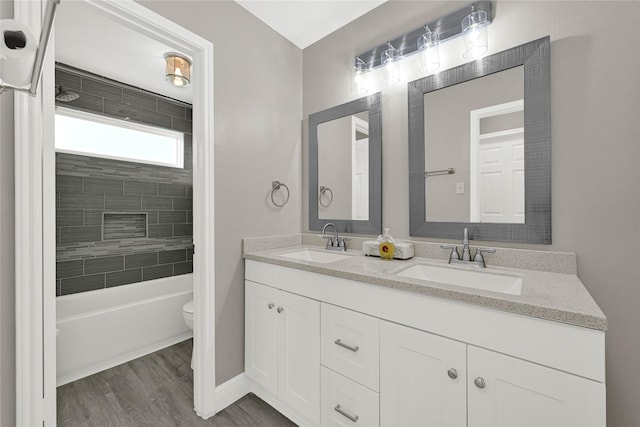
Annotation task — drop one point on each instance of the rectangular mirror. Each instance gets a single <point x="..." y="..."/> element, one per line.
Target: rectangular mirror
<point x="345" y="157"/>
<point x="475" y="169"/>
<point x="480" y="148"/>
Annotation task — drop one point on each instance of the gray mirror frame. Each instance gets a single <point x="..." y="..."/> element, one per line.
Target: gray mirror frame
<point x="371" y="104"/>
<point x="537" y="135"/>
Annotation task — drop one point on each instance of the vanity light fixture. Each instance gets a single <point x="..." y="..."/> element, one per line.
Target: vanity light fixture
<point x="429" y="51"/>
<point x="474" y="30"/>
<point x="389" y="60"/>
<point x="360" y="78"/>
<point x="178" y="71"/>
<point x="470" y="21"/>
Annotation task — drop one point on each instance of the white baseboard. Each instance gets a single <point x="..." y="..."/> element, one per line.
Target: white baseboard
<point x="232" y="390"/>
<point x="110" y="363"/>
<point x="239" y="386"/>
<point x="274" y="402"/>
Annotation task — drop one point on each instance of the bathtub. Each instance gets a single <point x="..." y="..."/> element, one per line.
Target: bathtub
<point x="104" y="328"/>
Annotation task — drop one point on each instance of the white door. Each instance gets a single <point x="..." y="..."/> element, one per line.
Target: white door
<point x="516" y="393"/>
<point x="261" y="335"/>
<point x="299" y="354"/>
<point x="422" y="378"/>
<point x="501" y="177"/>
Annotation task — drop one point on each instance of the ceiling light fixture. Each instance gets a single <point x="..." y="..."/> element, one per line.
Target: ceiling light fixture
<point x="178" y="71"/>
<point x="470" y="22"/>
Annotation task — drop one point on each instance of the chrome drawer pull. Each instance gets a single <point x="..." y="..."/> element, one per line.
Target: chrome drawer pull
<point x="347" y="346"/>
<point x="344" y="413"/>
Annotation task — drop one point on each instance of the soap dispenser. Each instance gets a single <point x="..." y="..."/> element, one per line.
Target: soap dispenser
<point x="387" y="245"/>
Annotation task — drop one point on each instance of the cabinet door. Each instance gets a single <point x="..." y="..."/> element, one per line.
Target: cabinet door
<point x="518" y="393"/>
<point x="422" y="378"/>
<point x="261" y="335"/>
<point x="299" y="354"/>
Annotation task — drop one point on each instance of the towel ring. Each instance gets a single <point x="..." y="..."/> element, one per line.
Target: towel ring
<point x="323" y="190"/>
<point x="275" y="185"/>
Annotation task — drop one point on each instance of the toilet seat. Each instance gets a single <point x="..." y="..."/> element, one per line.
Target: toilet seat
<point x="188" y="307"/>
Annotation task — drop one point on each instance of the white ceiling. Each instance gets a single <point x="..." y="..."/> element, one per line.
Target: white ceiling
<point x="304" y="22"/>
<point x="89" y="40"/>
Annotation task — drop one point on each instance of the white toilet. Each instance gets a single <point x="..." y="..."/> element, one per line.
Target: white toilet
<point x="187" y="313"/>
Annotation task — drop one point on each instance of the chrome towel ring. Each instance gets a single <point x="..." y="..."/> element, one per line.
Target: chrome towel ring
<point x="323" y="191"/>
<point x="275" y="186"/>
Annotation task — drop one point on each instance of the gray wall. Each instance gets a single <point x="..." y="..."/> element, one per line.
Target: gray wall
<point x="595" y="104"/>
<point x="258" y="105"/>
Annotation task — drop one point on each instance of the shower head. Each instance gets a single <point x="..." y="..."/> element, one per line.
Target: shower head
<point x="65" y="95"/>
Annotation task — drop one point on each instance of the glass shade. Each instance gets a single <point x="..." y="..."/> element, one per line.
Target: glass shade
<point x="429" y="52"/>
<point x="178" y="71"/>
<point x="389" y="60"/>
<point x="360" y="78"/>
<point x="474" y="32"/>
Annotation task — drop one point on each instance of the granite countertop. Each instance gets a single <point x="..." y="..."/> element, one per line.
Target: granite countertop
<point x="547" y="295"/>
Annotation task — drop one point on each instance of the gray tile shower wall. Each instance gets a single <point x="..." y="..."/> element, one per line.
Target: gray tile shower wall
<point x="121" y="222"/>
<point x="114" y="99"/>
<point x="112" y="238"/>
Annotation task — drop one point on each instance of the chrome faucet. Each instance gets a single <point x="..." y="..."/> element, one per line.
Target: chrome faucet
<point x="478" y="259"/>
<point x="334" y="243"/>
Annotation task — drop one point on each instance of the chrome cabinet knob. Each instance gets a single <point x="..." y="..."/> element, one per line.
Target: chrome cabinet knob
<point x="280" y="309"/>
<point x="479" y="382"/>
<point x="453" y="374"/>
<point x="270" y="305"/>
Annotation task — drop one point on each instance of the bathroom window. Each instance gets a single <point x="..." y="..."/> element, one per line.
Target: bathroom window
<point x="99" y="136"/>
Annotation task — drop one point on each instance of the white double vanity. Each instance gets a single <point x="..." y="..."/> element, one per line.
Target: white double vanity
<point x="352" y="341"/>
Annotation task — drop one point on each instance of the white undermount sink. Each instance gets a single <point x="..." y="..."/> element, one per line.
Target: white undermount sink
<point x="315" y="256"/>
<point x="469" y="279"/>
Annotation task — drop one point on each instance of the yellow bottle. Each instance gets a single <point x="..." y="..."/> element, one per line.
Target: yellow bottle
<point x="387" y="245"/>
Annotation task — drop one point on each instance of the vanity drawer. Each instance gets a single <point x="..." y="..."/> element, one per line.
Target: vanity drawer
<point x="346" y="403"/>
<point x="350" y="344"/>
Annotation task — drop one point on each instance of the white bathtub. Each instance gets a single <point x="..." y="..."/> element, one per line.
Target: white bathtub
<point x="104" y="328"/>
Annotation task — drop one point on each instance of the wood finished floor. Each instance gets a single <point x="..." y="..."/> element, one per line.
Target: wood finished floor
<point x="154" y="390"/>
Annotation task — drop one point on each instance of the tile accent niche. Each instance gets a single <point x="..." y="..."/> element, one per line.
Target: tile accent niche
<point x="121" y="222"/>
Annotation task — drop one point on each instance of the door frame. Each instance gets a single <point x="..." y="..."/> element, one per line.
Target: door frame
<point x="35" y="215"/>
